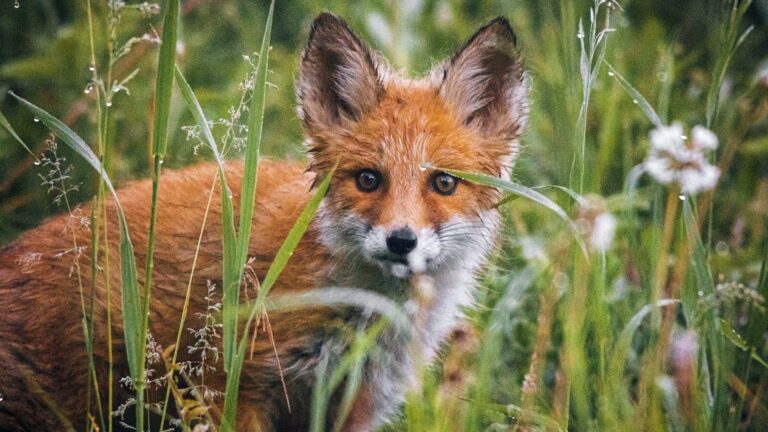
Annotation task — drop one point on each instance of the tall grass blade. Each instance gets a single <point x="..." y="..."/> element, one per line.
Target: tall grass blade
<point x="710" y="324"/>
<point x="278" y="264"/>
<point x="350" y="366"/>
<point x="701" y="270"/>
<point x="4" y="122"/>
<point x="197" y="113"/>
<point x="491" y="350"/>
<point x="253" y="146"/>
<point x="289" y="245"/>
<point x="728" y="45"/>
<point x="520" y="190"/>
<point x="570" y="192"/>
<point x="132" y="319"/>
<point x="230" y="279"/>
<point x="69" y="136"/>
<point x="624" y="342"/>
<point x="130" y="290"/>
<point x="341" y="296"/>
<point x="637" y="98"/>
<point x="532" y="417"/>
<point x="164" y="88"/>
<point x="735" y="338"/>
<point x="757" y="327"/>
<point x="163" y="91"/>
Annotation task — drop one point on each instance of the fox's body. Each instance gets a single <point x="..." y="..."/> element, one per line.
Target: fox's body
<point x="387" y="224"/>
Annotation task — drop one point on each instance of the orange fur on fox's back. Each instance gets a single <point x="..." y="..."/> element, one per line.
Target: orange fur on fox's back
<point x="391" y="224"/>
<point x="41" y="325"/>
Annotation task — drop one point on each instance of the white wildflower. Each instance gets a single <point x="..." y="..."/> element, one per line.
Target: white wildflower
<point x="149" y="9"/>
<point x="703" y="138"/>
<point x="532" y="249"/>
<point x="603" y="230"/>
<point x="676" y="159"/>
<point x="596" y="223"/>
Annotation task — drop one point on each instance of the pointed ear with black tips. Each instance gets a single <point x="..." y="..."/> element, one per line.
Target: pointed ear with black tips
<point x="338" y="80"/>
<point x="484" y="82"/>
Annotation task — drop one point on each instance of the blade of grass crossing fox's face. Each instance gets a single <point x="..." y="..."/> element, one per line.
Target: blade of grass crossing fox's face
<point x="525" y="192"/>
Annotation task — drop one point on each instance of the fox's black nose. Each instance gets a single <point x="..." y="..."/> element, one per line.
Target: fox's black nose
<point x="401" y="241"/>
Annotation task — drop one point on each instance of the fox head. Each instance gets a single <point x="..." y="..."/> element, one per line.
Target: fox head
<point x="387" y="205"/>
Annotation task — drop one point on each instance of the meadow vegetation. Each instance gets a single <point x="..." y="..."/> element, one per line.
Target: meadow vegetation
<point x="628" y="290"/>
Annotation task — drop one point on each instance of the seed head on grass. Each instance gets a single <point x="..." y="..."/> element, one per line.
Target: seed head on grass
<point x="676" y="159"/>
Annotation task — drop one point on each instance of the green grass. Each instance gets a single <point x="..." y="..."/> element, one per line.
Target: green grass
<point x="664" y="330"/>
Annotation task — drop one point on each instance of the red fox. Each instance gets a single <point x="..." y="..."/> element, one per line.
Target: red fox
<point x="386" y="221"/>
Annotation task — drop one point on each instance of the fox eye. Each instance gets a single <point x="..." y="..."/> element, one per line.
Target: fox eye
<point x="368" y="180"/>
<point x="444" y="183"/>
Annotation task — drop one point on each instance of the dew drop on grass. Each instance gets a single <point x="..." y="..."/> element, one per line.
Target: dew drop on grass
<point x="662" y="76"/>
<point x="88" y="89"/>
<point x="37" y="120"/>
<point x="721" y="248"/>
<point x="36" y="162"/>
<point x="16" y="5"/>
<point x="700" y="293"/>
<point x="635" y="101"/>
<point x="91" y="68"/>
<point x="109" y="103"/>
<point x="682" y="197"/>
<point x="610" y="73"/>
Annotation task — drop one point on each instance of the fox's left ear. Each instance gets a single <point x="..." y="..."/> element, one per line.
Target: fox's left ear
<point x="485" y="84"/>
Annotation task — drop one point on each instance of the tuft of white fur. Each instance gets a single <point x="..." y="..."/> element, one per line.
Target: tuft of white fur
<point x="450" y="256"/>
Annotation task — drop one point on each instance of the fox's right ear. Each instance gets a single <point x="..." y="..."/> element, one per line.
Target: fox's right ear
<point x="338" y="79"/>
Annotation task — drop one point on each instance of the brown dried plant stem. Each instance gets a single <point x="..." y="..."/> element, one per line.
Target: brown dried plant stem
<point x="660" y="275"/>
<point x="574" y="372"/>
<point x="548" y="300"/>
<point x="650" y="412"/>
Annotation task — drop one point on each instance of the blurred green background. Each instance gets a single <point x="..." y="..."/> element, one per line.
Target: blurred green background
<point x="665" y="49"/>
